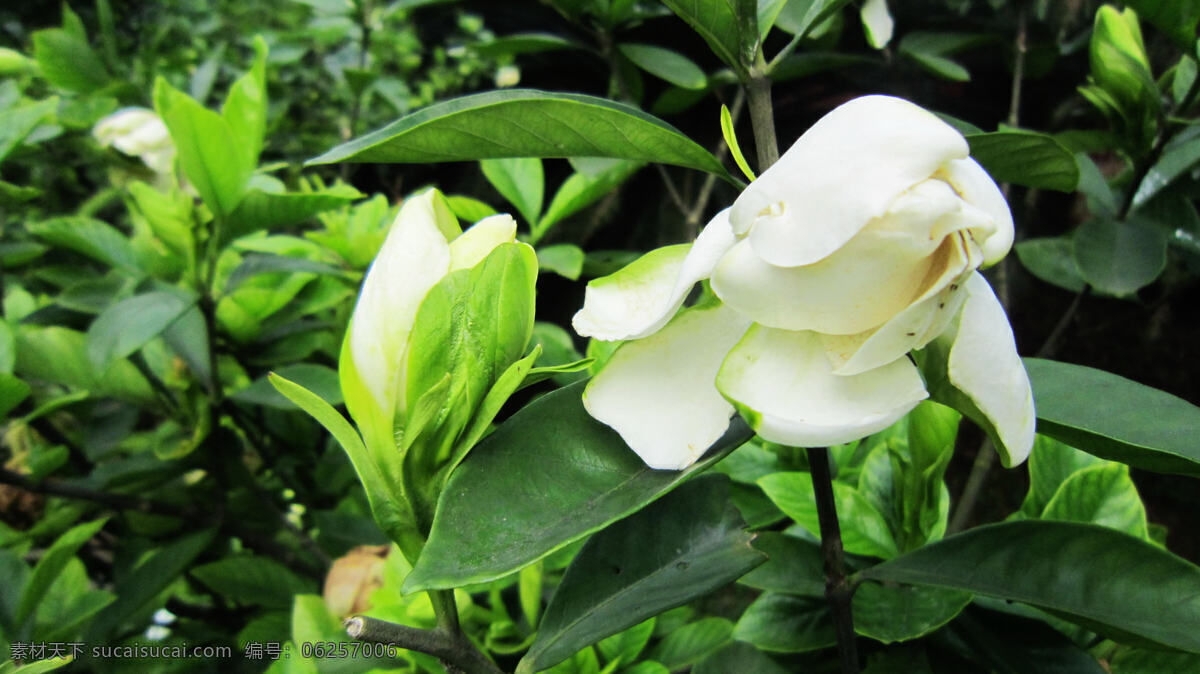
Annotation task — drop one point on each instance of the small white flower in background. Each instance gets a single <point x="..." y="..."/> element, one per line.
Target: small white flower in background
<point x="857" y="247"/>
<point x="138" y="132"/>
<point x="507" y="76"/>
<point x="877" y="23"/>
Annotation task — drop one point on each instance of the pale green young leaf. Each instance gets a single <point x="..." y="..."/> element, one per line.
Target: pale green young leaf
<point x="665" y="64"/>
<point x="735" y="150"/>
<point x="865" y="530"/>
<point x="521" y="181"/>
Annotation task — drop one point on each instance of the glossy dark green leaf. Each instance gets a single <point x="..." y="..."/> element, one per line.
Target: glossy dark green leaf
<point x="1115" y="418"/>
<point x="794" y="566"/>
<point x="490" y="522"/>
<point x="738" y="657"/>
<point x="891" y="613"/>
<point x="691" y="643"/>
<point x="150" y="577"/>
<point x="1104" y="579"/>
<point x="1052" y="259"/>
<point x="665" y="64"/>
<point x="728" y="26"/>
<point x="525" y="123"/>
<point x="127" y="325"/>
<point x="88" y="236"/>
<point x="681" y="547"/>
<point x="787" y="624"/>
<point x="258" y="581"/>
<point x="1119" y="257"/>
<point x="1026" y="158"/>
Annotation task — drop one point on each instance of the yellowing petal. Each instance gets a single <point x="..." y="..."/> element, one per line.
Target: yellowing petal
<point x="843" y="172"/>
<point x="639" y="299"/>
<point x="784" y="386"/>
<point x="413" y="258"/>
<point x="978" y="189"/>
<point x="659" y="394"/>
<point x="985" y="366"/>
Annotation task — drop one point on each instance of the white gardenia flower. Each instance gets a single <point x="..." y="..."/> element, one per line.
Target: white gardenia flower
<point x="860" y="245"/>
<point x="138" y="132"/>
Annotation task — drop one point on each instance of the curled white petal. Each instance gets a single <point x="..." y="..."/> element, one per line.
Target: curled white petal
<point x="137" y="132"/>
<point x="784" y="386"/>
<point x="844" y="171"/>
<point x="658" y="392"/>
<point x="978" y="189"/>
<point x="985" y="366"/>
<point x="639" y="299"/>
<point x="414" y="257"/>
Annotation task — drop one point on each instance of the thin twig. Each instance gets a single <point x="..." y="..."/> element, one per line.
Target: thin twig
<point x="838" y="592"/>
<point x="454" y="652"/>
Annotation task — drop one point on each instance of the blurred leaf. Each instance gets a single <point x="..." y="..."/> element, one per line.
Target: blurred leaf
<point x="1115" y="418"/>
<point x="684" y="546"/>
<point x="1053" y="261"/>
<point x="522" y="43"/>
<point x="469" y="209"/>
<point x="255" y="264"/>
<point x="787" y="623"/>
<point x="319" y="379"/>
<point x="1026" y="158"/>
<point x="581" y="190"/>
<point x="1176" y="18"/>
<point x="1102" y="579"/>
<point x="90" y="237"/>
<point x="12" y="392"/>
<point x="126" y="326"/>
<point x="931" y="52"/>
<point x="245" y="108"/>
<point x="67" y="62"/>
<point x="160" y="568"/>
<point x="521" y="181"/>
<point x="59" y="355"/>
<point x="260" y="210"/>
<point x="51" y="565"/>
<point x="487" y="527"/>
<point x="1119" y="258"/>
<point x="258" y="581"/>
<point x="728" y="26"/>
<point x="802" y="17"/>
<point x="18" y="121"/>
<point x="1137" y="661"/>
<point x="665" y="64"/>
<point x="525" y="123"/>
<point x="564" y="259"/>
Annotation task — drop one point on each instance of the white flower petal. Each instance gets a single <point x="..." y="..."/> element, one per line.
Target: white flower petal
<point x="414" y="257"/>
<point x="978" y="189"/>
<point x="473" y="245"/>
<point x="844" y="171"/>
<point x="926" y="318"/>
<point x="639" y="299"/>
<point x="877" y="22"/>
<point x="985" y="366"/>
<point x="659" y="392"/>
<point x="783" y="385"/>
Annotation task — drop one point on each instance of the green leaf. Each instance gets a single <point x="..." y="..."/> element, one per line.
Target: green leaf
<point x="931" y="52"/>
<point x="391" y="513"/>
<point x="489" y="523"/>
<point x="12" y="392"/>
<point x="1115" y="418"/>
<point x="1026" y="158"/>
<point x="1050" y="464"/>
<point x="1178" y="157"/>
<point x="255" y="264"/>
<point x="19" y="121"/>
<point x="208" y="148"/>
<point x="865" y="531"/>
<point x="1011" y="644"/>
<point x="1052" y="260"/>
<point x="1176" y="18"/>
<point x="158" y="570"/>
<point x="43" y="666"/>
<point x="57" y="354"/>
<point x="522" y="43"/>
<point x="890" y="613"/>
<point x="469" y="209"/>
<point x="627" y="644"/>
<point x="260" y="210"/>
<point x="67" y="62"/>
<point x="525" y="123"/>
<point x="564" y="259"/>
<point x="665" y="64"/>
<point x="319" y="379"/>
<point x="51" y="565"/>
<point x="689" y="543"/>
<point x="90" y="237"/>
<point x="581" y="190"/>
<point x="245" y="108"/>
<point x="787" y="624"/>
<point x="738" y="657"/>
<point x="258" y="581"/>
<point x="728" y="26"/>
<point x="1103" y="494"/>
<point x="691" y="643"/>
<point x="1119" y="258"/>
<point x="127" y="325"/>
<point x="521" y="181"/>
<point x="794" y="566"/>
<point x="731" y="141"/>
<point x="1100" y="578"/>
<point x="1136" y="661"/>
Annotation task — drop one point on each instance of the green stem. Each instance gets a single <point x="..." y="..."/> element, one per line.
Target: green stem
<point x="838" y="590"/>
<point x="457" y="654"/>
<point x="762" y="120"/>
